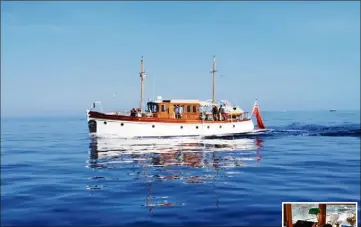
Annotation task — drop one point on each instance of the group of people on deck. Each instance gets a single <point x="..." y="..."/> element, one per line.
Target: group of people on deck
<point x="219" y="113"/>
<point x="134" y="112"/>
<point x="178" y="111"/>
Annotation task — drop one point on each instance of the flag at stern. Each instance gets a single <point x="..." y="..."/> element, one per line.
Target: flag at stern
<point x="256" y="111"/>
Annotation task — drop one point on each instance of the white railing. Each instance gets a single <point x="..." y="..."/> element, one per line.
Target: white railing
<point x="120" y="112"/>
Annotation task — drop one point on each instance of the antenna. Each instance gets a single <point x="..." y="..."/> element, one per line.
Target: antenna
<point x="214" y="80"/>
<point x="142" y="76"/>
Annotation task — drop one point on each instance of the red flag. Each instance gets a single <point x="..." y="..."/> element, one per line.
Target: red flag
<point x="257" y="113"/>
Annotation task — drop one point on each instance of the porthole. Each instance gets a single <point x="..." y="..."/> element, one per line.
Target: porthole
<point x="105" y="122"/>
<point x="181" y="127"/>
<point x="153" y="126"/>
<point x="121" y="124"/>
<point x="234" y="126"/>
<point x="220" y="126"/>
<point x="196" y="127"/>
<point x="208" y="126"/>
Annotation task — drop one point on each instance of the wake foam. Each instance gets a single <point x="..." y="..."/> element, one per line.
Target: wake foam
<point x="298" y="129"/>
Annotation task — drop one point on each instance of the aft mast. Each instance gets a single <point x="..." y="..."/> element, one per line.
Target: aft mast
<point x="142" y="76"/>
<point x="214" y="80"/>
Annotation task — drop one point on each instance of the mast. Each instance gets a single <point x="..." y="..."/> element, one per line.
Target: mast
<point x="142" y="76"/>
<point x="214" y="79"/>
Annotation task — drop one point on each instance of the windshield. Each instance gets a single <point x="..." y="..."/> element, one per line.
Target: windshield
<point x="152" y="107"/>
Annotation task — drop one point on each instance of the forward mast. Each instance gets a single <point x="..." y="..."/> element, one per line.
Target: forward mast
<point x="142" y="77"/>
<point x="214" y="80"/>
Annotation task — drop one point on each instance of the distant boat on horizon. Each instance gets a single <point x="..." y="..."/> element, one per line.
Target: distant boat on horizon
<point x="332" y="110"/>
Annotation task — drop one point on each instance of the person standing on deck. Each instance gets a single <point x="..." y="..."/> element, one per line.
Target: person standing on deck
<point x="214" y="112"/>
<point x="176" y="111"/>
<point x="220" y="111"/>
<point x="180" y="111"/>
<point x="138" y="112"/>
<point x="133" y="112"/>
<point x="223" y="113"/>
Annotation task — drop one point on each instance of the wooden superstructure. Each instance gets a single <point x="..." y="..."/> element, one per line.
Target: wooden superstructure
<point x="166" y="109"/>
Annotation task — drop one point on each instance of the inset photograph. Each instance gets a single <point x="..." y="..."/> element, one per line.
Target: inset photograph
<point x="322" y="214"/>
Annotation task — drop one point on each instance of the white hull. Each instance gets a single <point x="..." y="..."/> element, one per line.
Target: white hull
<point x="131" y="129"/>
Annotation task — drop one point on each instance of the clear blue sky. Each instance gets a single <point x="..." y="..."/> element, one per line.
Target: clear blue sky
<point x="57" y="57"/>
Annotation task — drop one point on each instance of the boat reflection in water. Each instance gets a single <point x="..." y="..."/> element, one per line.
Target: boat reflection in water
<point x="186" y="160"/>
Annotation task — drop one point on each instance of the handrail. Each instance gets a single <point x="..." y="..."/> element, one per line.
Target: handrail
<point x="121" y="112"/>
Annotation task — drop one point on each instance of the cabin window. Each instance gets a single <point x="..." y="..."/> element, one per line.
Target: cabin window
<point x="152" y="107"/>
<point x="194" y="109"/>
<point x="163" y="108"/>
<point x="302" y="211"/>
<point x="155" y="108"/>
<point x="188" y="109"/>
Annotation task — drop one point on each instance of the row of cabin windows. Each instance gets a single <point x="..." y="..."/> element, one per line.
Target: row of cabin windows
<point x="154" y="108"/>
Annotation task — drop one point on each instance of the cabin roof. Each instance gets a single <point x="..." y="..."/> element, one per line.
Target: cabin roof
<point x="184" y="101"/>
<point x="192" y="101"/>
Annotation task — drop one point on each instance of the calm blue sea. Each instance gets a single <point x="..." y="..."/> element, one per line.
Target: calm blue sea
<point x="53" y="173"/>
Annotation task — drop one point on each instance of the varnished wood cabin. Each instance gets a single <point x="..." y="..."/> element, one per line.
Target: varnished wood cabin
<point x="192" y="110"/>
<point x="166" y="109"/>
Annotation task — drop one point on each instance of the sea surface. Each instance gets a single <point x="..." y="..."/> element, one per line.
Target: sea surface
<point x="53" y="173"/>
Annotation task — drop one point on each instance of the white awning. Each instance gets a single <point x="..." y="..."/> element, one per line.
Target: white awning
<point x="205" y="103"/>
